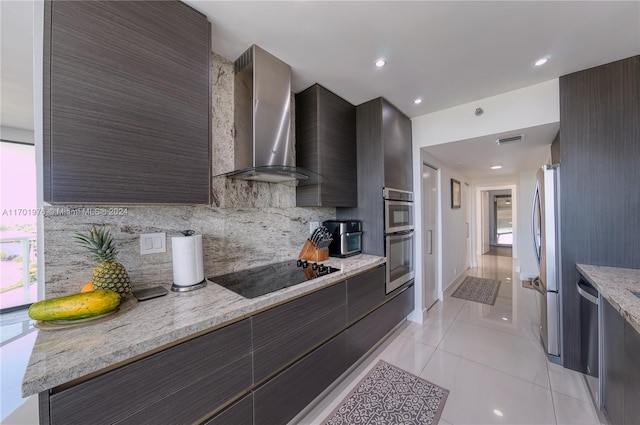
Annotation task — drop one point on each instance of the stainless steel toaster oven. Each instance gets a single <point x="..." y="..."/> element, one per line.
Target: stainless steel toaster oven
<point x="347" y="237"/>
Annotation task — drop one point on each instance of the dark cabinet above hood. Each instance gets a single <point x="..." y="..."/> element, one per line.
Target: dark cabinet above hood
<point x="263" y="146"/>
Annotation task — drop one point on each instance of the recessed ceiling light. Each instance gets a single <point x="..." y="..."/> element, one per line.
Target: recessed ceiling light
<point x="496" y="167"/>
<point x="380" y="63"/>
<point x="417" y="101"/>
<point x="505" y="318"/>
<point x="541" y="61"/>
<point x="498" y="413"/>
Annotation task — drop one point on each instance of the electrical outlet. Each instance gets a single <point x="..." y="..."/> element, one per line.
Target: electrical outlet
<point x="152" y="243"/>
<point x="313" y="225"/>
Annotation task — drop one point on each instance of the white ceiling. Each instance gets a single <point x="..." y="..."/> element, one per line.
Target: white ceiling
<point x="473" y="157"/>
<point x="448" y="53"/>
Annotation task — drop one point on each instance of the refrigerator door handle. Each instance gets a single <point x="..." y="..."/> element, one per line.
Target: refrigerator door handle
<point x="430" y="237"/>
<point x="536" y="203"/>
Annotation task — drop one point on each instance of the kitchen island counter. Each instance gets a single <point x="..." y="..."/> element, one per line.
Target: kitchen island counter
<point x="65" y="355"/>
<point x="615" y="284"/>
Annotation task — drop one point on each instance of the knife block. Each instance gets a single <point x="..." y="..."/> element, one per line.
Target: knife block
<point x="310" y="252"/>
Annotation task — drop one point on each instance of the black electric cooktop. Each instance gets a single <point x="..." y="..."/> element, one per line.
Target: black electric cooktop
<point x="252" y="283"/>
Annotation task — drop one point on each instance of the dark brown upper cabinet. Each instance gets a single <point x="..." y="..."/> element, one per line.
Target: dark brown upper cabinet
<point x="126" y="103"/>
<point x="326" y="144"/>
<point x="396" y="143"/>
<point x="384" y="143"/>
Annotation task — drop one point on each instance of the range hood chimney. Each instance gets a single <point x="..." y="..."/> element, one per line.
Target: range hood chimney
<point x="263" y="147"/>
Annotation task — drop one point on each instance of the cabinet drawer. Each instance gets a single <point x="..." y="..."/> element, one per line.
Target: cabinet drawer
<point x="118" y="394"/>
<point x="240" y="413"/>
<point x="364" y="293"/>
<point x="287" y="394"/>
<point x="273" y="356"/>
<point x="366" y="333"/>
<point x="272" y="324"/>
<point x="199" y="399"/>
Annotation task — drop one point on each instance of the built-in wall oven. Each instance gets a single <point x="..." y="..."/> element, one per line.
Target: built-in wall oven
<point x="399" y="236"/>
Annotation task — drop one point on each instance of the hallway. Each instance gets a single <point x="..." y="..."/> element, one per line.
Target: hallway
<point x="489" y="357"/>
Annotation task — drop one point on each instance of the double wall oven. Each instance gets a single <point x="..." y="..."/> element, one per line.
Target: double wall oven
<point x="399" y="234"/>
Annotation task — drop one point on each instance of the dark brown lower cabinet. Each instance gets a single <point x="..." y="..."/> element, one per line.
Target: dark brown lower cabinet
<point x="367" y="332"/>
<point x="260" y="370"/>
<point x="196" y="401"/>
<point x="284" y="396"/>
<point x="285" y="333"/>
<point x="613" y="372"/>
<point x="621" y="374"/>
<point x="270" y="358"/>
<point x="632" y="369"/>
<point x="193" y="378"/>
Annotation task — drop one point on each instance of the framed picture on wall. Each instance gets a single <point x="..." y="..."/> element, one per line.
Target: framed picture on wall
<point x="455" y="193"/>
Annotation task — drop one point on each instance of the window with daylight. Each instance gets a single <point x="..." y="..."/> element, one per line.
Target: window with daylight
<point x="18" y="225"/>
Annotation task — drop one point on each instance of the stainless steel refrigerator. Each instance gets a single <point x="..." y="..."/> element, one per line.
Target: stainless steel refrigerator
<point x="545" y="218"/>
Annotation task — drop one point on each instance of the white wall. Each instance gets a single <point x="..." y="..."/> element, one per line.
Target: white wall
<point x="527" y="107"/>
<point x="534" y="105"/>
<point x="453" y="241"/>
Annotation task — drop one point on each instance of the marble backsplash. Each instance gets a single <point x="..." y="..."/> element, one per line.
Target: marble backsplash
<point x="233" y="239"/>
<point x="248" y="223"/>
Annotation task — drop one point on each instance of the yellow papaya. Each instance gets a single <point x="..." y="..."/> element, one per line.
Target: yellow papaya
<point x="77" y="306"/>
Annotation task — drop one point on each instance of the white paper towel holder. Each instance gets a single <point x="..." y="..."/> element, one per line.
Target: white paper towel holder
<point x="186" y="288"/>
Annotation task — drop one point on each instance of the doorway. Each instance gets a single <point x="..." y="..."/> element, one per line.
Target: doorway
<point x="500" y="230"/>
<point x="502" y="217"/>
<point x="497" y="218"/>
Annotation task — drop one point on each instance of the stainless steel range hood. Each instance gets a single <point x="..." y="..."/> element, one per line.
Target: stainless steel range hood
<point x="263" y="149"/>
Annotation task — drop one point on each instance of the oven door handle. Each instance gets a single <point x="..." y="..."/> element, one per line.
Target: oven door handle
<point x="353" y="234"/>
<point x="409" y="231"/>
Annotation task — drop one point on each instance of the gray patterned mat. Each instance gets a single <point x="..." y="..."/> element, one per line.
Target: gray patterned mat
<point x="478" y="289"/>
<point x="391" y="396"/>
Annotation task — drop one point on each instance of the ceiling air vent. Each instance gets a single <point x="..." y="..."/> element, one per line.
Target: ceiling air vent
<point x="510" y="139"/>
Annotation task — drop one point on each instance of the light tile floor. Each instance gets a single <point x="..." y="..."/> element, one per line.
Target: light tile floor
<point x="489" y="357"/>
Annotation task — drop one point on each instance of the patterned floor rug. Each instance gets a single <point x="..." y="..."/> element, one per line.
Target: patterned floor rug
<point x="391" y="396"/>
<point x="478" y="289"/>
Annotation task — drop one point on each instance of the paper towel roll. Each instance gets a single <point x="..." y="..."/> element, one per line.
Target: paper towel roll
<point x="187" y="260"/>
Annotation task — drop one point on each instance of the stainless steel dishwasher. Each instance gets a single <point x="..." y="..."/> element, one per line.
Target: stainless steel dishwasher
<point x="589" y="337"/>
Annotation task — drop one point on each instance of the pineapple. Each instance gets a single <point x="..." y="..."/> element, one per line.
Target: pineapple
<point x="108" y="274"/>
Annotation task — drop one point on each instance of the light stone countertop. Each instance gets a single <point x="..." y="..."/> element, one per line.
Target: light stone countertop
<point x="63" y="355"/>
<point x="615" y="284"/>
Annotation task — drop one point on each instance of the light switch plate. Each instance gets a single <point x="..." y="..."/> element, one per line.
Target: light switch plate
<point x="153" y="243"/>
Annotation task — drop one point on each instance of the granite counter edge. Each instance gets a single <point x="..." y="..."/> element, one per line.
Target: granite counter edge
<point x="616" y="293"/>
